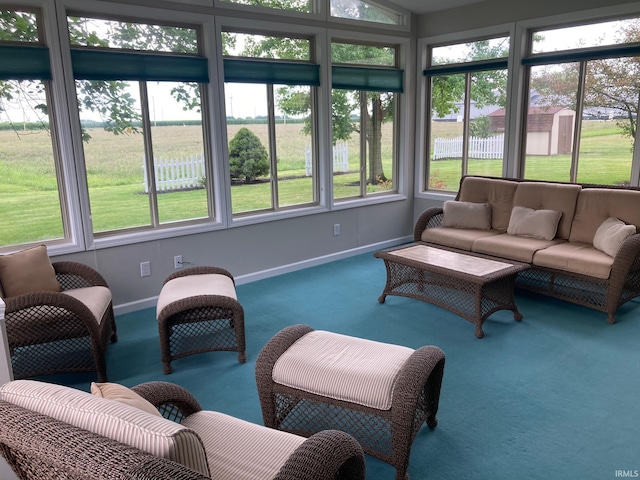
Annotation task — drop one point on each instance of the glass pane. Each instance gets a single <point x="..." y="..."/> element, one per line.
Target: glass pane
<point x="294" y="5"/>
<point x="178" y="150"/>
<point x="379" y="128"/>
<point x="446" y="132"/>
<point x="114" y="154"/>
<point x="29" y="194"/>
<point x="486" y="123"/>
<point x="18" y="26"/>
<point x="584" y="36"/>
<point x="94" y="32"/>
<point x="493" y="48"/>
<point x="248" y="134"/>
<point x="363" y="54"/>
<point x="364" y="11"/>
<point x="294" y="146"/>
<point x="550" y="120"/>
<point x="264" y="46"/>
<point x="347" y="142"/>
<point x="608" y="122"/>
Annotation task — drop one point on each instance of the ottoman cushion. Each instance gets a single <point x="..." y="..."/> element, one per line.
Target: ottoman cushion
<point x="316" y="362"/>
<point x="194" y="285"/>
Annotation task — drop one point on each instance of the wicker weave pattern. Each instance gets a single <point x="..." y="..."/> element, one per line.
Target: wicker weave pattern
<point x="385" y="434"/>
<point x="50" y="332"/>
<point x="201" y="323"/>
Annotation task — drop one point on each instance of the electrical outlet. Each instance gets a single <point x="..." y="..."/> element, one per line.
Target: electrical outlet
<point x="145" y="269"/>
<point x="336" y="230"/>
<point x="177" y="262"/>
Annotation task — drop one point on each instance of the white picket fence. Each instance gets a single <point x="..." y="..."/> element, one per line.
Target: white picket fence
<point x="492" y="147"/>
<point x="340" y="158"/>
<point x="176" y="173"/>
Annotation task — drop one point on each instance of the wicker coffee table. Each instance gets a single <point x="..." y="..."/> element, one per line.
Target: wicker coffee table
<point x="470" y="285"/>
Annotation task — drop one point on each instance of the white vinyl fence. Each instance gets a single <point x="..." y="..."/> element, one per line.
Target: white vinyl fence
<point x="340" y="158"/>
<point x="176" y="173"/>
<point x="492" y="147"/>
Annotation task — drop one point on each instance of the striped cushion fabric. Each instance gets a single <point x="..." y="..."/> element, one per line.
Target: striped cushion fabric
<point x="112" y="419"/>
<point x="193" y="285"/>
<point x="341" y="367"/>
<point x="239" y="450"/>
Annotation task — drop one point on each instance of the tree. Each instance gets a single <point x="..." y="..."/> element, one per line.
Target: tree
<point x="248" y="159"/>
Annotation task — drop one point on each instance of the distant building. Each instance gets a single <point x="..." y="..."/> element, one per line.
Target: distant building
<point x="549" y="129"/>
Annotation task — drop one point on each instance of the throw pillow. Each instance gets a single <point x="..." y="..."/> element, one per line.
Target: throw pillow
<point x="27" y="271"/>
<point x="611" y="234"/>
<point x="467" y="215"/>
<point x="527" y="222"/>
<point x="122" y="394"/>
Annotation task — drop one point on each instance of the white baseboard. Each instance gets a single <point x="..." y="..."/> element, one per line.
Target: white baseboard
<point x="272" y="272"/>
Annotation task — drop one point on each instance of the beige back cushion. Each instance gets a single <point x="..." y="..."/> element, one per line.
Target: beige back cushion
<point x="112" y="419"/>
<point x="27" y="271"/>
<point x="497" y="193"/>
<point x="595" y="205"/>
<point x="550" y="196"/>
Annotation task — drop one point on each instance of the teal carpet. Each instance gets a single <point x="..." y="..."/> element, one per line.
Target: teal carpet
<point x="556" y="396"/>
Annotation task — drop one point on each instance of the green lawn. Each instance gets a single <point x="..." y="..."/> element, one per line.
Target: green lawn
<point x="30" y="201"/>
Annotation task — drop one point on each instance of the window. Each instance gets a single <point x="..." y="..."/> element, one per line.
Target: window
<point x="270" y="89"/>
<point x="366" y="86"/>
<point x="583" y="102"/>
<point x="365" y="12"/>
<point x="139" y="91"/>
<point x="292" y="5"/>
<point x="31" y="197"/>
<point x="467" y="85"/>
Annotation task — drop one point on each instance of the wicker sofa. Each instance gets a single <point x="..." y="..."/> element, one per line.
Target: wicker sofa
<point x="581" y="240"/>
<point x="155" y="431"/>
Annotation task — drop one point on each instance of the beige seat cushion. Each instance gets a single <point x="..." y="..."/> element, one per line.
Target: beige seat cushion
<point x="193" y="285"/>
<point x="239" y="450"/>
<point x="461" y="238"/>
<point x="550" y="196"/>
<point x="575" y="257"/>
<point x="496" y="192"/>
<point x="112" y="419"/>
<point x="27" y="271"/>
<point x="520" y="249"/>
<point x="97" y="299"/>
<point x="345" y="368"/>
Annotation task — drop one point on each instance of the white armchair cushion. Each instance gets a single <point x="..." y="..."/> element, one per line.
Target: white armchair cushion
<point x="240" y="450"/>
<point x="96" y="299"/>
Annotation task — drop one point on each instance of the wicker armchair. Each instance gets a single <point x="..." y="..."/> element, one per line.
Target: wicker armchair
<point x="59" y="332"/>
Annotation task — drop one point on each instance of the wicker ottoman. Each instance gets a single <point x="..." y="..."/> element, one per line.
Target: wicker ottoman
<point x="197" y="312"/>
<point x="309" y="380"/>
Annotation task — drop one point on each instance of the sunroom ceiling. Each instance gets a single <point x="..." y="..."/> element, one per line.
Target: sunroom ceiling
<point x="426" y="6"/>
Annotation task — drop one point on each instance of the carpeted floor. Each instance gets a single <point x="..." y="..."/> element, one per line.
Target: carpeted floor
<point x="556" y="396"/>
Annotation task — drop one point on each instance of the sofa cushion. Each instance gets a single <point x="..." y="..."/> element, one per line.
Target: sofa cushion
<point x="120" y="393"/>
<point x="520" y="249"/>
<point x="115" y="420"/>
<point x="461" y="238"/>
<point x="466" y="215"/>
<point x="27" y="271"/>
<point x="528" y="222"/>
<point x="575" y="257"/>
<point x="239" y="450"/>
<point x="595" y="205"/>
<point x="611" y="234"/>
<point x="496" y="192"/>
<point x="550" y="196"/>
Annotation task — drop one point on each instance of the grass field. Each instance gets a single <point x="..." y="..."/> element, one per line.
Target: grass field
<point x="30" y="202"/>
